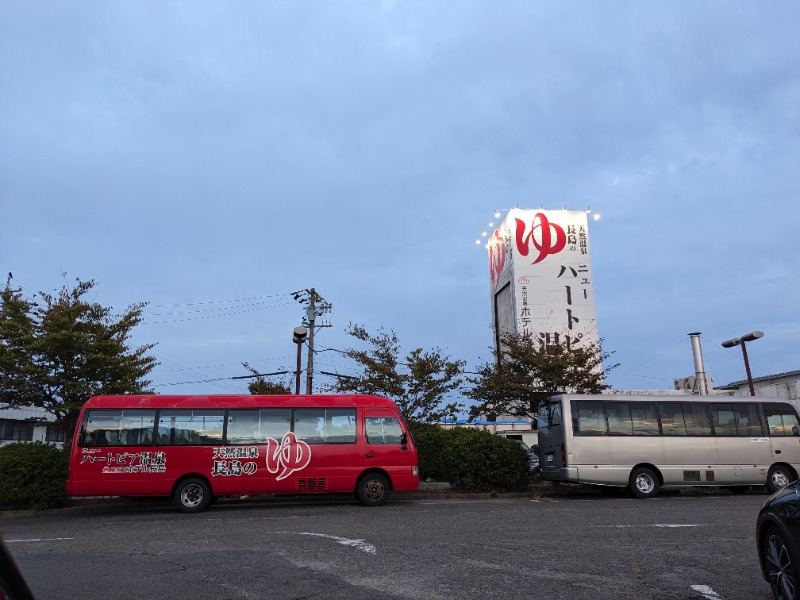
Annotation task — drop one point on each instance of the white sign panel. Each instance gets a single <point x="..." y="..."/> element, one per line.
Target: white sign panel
<point x="544" y="255"/>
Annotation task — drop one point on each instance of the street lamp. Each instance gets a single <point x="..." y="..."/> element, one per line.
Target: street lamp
<point x="747" y="337"/>
<point x="298" y="337"/>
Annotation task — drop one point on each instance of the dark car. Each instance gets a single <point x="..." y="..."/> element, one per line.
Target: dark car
<point x="778" y="538"/>
<point x="12" y="583"/>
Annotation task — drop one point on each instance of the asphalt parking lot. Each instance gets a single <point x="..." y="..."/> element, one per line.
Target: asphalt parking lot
<point x="569" y="543"/>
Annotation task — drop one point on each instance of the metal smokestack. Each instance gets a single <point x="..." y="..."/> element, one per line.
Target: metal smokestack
<point x="699" y="372"/>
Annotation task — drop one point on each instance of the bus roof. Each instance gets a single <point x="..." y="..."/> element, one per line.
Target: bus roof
<point x="722" y="398"/>
<point x="238" y="401"/>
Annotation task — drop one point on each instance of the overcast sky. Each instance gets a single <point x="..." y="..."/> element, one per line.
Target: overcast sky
<point x="210" y="158"/>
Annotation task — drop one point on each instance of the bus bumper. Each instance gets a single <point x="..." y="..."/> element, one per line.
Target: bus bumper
<point x="568" y="474"/>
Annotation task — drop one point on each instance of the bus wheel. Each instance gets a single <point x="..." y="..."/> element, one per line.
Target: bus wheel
<point x="643" y="483"/>
<point x="372" y="489"/>
<point x="778" y="477"/>
<point x="192" y="495"/>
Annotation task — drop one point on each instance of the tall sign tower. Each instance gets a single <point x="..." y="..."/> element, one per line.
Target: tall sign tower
<point x="541" y="277"/>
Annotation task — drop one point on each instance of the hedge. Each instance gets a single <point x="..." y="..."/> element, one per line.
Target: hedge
<point x="471" y="459"/>
<point x="32" y="476"/>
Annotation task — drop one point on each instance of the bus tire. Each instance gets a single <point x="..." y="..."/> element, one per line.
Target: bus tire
<point x="192" y="495"/>
<point x="643" y="483"/>
<point x="779" y="476"/>
<point x="372" y="489"/>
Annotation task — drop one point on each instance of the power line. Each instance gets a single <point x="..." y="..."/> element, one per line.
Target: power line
<point x="630" y="373"/>
<point x="339" y="375"/>
<point x="229" y="314"/>
<point x="260" y="375"/>
<point x="221" y="301"/>
<point x="196" y="381"/>
<point x="209" y="310"/>
<point x="188" y="371"/>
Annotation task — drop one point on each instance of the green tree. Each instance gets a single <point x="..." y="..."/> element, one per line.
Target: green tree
<point x="60" y="351"/>
<point x="263" y="386"/>
<point x="17" y="343"/>
<point x="418" y="385"/>
<point x="524" y="372"/>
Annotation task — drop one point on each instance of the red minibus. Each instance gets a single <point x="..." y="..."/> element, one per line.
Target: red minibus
<point x="196" y="448"/>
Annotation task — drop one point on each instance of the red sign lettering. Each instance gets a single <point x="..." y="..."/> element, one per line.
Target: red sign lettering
<point x="551" y="238"/>
<point x="287" y="457"/>
<point x="497" y="256"/>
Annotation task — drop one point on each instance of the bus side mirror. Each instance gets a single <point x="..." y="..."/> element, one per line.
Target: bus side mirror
<point x="795" y="431"/>
<point x="404" y="439"/>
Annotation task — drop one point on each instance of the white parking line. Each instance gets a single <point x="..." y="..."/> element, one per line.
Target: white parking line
<point x="662" y="525"/>
<point x="357" y="544"/>
<point x="38" y="540"/>
<point x="707" y="592"/>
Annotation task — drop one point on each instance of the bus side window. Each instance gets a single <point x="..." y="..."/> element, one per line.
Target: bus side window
<point x="243" y="427"/>
<point x="309" y="424"/>
<point x="724" y="419"/>
<point x="191" y="427"/>
<point x="274" y="423"/>
<point x="340" y="426"/>
<point x="695" y="415"/>
<point x="591" y="417"/>
<point x="101" y="428"/>
<point x="619" y="418"/>
<point x="782" y="419"/>
<point x="672" y="422"/>
<point x="645" y="418"/>
<point x="748" y="421"/>
<point x="383" y="430"/>
<point x="136" y="427"/>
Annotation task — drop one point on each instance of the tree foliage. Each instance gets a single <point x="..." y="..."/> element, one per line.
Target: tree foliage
<point x="525" y="371"/>
<point x="260" y="386"/>
<point x="418" y="384"/>
<point x="63" y="349"/>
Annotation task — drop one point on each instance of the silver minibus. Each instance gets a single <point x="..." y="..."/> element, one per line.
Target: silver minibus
<point x="646" y="442"/>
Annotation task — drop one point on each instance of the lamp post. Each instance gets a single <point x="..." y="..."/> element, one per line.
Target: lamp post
<point x="298" y="337"/>
<point x="747" y="337"/>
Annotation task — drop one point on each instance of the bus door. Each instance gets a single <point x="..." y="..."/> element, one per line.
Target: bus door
<point x="552" y="448"/>
<point x="784" y="432"/>
<point x="326" y="457"/>
<point x="388" y="446"/>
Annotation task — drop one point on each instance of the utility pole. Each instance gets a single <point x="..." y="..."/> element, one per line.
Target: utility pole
<point x="317" y="306"/>
<point x="311" y="315"/>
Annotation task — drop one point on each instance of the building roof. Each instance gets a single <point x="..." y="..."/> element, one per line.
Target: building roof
<point x="737" y="384"/>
